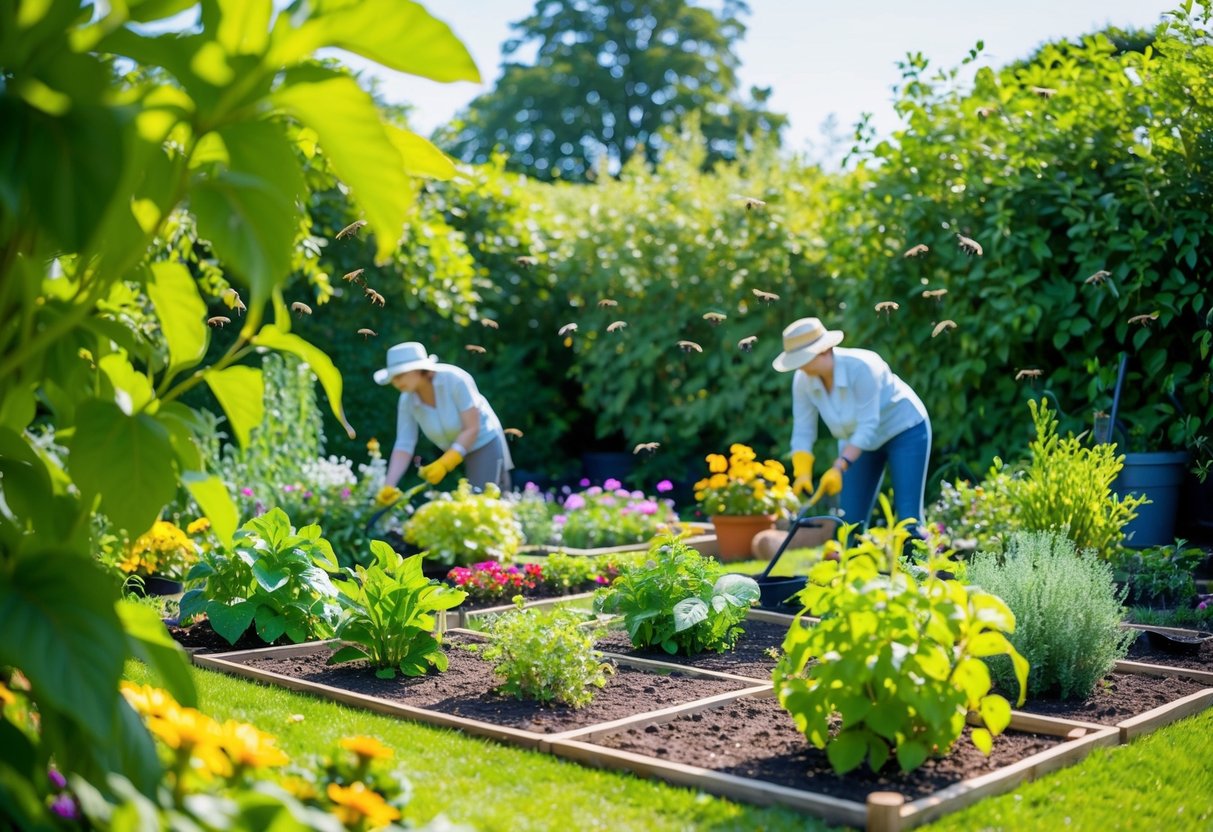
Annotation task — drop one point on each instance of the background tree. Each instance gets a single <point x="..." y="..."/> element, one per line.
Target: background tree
<point x="608" y="76"/>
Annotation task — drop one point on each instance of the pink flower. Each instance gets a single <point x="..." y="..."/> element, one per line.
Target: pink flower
<point x="530" y="487"/>
<point x="560" y="520"/>
<point x="345" y="493"/>
<point x="664" y="486"/>
<point x="584" y="482"/>
<point x="288" y="488"/>
<point x="574" y="502"/>
<point x="611" y="484"/>
<point x="246" y="491"/>
<point x="647" y="507"/>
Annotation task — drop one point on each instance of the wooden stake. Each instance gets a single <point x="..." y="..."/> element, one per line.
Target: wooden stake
<point x="884" y="811"/>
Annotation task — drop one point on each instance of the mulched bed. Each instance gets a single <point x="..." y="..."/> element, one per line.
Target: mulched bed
<point x="748" y="658"/>
<point x="1119" y="696"/>
<point x="1143" y="651"/>
<point x="202" y="638"/>
<point x="464" y="690"/>
<point x="757" y="738"/>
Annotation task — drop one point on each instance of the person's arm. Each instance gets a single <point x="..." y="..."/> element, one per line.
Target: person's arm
<point x="469" y="421"/>
<point x="406" y="443"/>
<point x="397" y="465"/>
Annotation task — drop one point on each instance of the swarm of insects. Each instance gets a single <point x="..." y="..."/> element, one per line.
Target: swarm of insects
<point x="567" y="329"/>
<point x="1144" y="320"/>
<point x="934" y="294"/>
<point x="714" y="318"/>
<point x="750" y="202"/>
<point x="218" y="320"/>
<point x="646" y="447"/>
<point x="490" y="323"/>
<point x="615" y="326"/>
<point x="301" y="308"/>
<point x="514" y="432"/>
<point x="476" y="348"/>
<point x="765" y="297"/>
<point x="968" y="245"/>
<point x="1028" y="373"/>
<point x="606" y="303"/>
<point x="367" y="333"/>
<point x="888" y="306"/>
<point x="1044" y="92"/>
<point x="914" y="251"/>
<point x="747" y="343"/>
<point x="376" y="298"/>
<point x="942" y="326"/>
<point x="689" y="346"/>
<point x="353" y="276"/>
<point x="351" y="230"/>
<point x="1099" y="277"/>
<point x="526" y="261"/>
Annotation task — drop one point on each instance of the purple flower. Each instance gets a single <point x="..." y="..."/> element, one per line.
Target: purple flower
<point x="593" y="490"/>
<point x="57" y="779"/>
<point x="246" y="491"/>
<point x="664" y="486"/>
<point x="530" y="487"/>
<point x="288" y="488"/>
<point x="65" y="807"/>
<point x="574" y="502"/>
<point x="611" y="484"/>
<point x="635" y="495"/>
<point x="584" y="482"/>
<point x="560" y="520"/>
<point x="345" y="493"/>
<point x="307" y="495"/>
<point x="647" y="507"/>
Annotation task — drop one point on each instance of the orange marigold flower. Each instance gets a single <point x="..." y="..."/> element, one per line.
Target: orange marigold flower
<point x="358" y="804"/>
<point x="367" y="748"/>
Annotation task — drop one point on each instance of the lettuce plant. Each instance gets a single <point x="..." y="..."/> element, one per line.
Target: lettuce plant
<point x="898" y="662"/>
<point x="680" y="600"/>
<point x="273" y="577"/>
<point x="388" y="617"/>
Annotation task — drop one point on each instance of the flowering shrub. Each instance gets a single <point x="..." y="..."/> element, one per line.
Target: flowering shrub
<point x="163" y="550"/>
<point x="975" y="516"/>
<point x="610" y="516"/>
<point x="741" y="485"/>
<point x="460" y="527"/>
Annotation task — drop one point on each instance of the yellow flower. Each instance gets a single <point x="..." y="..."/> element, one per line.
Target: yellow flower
<point x="367" y="748"/>
<point x="717" y="464"/>
<point x="387" y="495"/>
<point x="300" y="788"/>
<point x="147" y="700"/>
<point x="742" y="452"/>
<point x="199" y="525"/>
<point x="188" y="730"/>
<point x="161" y="546"/>
<point x="356" y="803"/>
<point x="773" y="469"/>
<point x="372" y="445"/>
<point x="718" y="481"/>
<point x="249" y="747"/>
<point x="7" y="697"/>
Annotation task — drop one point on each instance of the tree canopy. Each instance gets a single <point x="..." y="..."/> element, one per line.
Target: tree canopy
<point x="607" y="77"/>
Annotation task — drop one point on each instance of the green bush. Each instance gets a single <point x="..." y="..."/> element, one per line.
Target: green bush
<point x="1159" y="576"/>
<point x="545" y="655"/>
<point x="1067" y="608"/>
<point x="460" y="527"/>
<point x="975" y="516"/>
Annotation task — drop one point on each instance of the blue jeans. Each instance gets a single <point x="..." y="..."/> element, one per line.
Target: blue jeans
<point x="906" y="456"/>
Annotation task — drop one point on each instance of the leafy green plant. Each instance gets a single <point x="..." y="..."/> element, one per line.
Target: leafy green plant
<point x="898" y="662"/>
<point x="1159" y="576"/>
<point x="546" y="655"/>
<point x="534" y="511"/>
<point x="388" y="615"/>
<point x="274" y="577"/>
<point x="461" y="527"/>
<point x="1068" y="609"/>
<point x="680" y="600"/>
<point x="975" y="516"/>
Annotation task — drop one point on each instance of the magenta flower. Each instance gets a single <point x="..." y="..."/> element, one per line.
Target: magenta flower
<point x="574" y="502"/>
<point x="57" y="779"/>
<point x="647" y="507"/>
<point x="65" y="807"/>
<point x="288" y="488"/>
<point x="584" y="482"/>
<point x="246" y="491"/>
<point x="611" y="484"/>
<point x="664" y="486"/>
<point x="560" y="519"/>
<point x="530" y="487"/>
<point x="345" y="493"/>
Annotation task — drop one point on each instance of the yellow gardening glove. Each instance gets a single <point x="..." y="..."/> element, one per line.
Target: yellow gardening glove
<point x="439" y="468"/>
<point x="387" y="495"/>
<point x="802" y="470"/>
<point x="831" y="482"/>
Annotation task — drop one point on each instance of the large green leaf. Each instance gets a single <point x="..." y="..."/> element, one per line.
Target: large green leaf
<point x="398" y="34"/>
<point x="230" y="621"/>
<point x="149" y="641"/>
<point x="215" y="500"/>
<point x="241" y="392"/>
<point x="243" y="25"/>
<point x="132" y="390"/>
<point x="357" y="145"/>
<point x="330" y="378"/>
<point x="421" y="157"/>
<point x="181" y="312"/>
<point x="128" y="460"/>
<point x="59" y="625"/>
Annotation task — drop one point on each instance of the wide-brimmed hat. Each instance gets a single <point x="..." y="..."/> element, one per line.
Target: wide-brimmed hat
<point x="404" y="357"/>
<point x="804" y="340"/>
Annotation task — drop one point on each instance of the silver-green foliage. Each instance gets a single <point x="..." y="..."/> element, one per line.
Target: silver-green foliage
<point x="544" y="654"/>
<point x="1067" y="610"/>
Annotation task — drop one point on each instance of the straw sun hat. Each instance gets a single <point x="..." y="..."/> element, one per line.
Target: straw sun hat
<point x="804" y="340"/>
<point x="404" y="357"/>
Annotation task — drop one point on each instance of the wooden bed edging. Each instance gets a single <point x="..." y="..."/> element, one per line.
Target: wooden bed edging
<point x="1145" y="669"/>
<point x="462" y="617"/>
<point x="1152" y="720"/>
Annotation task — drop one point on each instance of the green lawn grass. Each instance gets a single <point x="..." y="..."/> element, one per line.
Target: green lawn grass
<point x="1163" y="782"/>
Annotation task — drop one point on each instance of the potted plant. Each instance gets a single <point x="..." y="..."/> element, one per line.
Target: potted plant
<point x="158" y="559"/>
<point x="743" y="497"/>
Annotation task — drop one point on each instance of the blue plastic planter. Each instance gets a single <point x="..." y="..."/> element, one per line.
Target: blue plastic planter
<point x="1157" y="475"/>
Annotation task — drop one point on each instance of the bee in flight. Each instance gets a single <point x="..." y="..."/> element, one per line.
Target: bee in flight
<point x="526" y="261"/>
<point x="750" y="202"/>
<point x="747" y="343"/>
<point x="943" y="326"/>
<point x="646" y="446"/>
<point x="218" y="320"/>
<point x="567" y="329"/>
<point x="606" y="303"/>
<point x="514" y="432"/>
<point x="1027" y="373"/>
<point x="1144" y="320"/>
<point x="367" y="333"/>
<point x="765" y="297"/>
<point x="351" y="230"/>
<point x="916" y="250"/>
<point x="934" y="294"/>
<point x="1099" y="277"/>
<point x="968" y="245"/>
<point x="714" y="318"/>
<point x="353" y="276"/>
<point x="489" y="322"/>
<point x="376" y="298"/>
<point x="301" y="308"/>
<point x="476" y="348"/>
<point x="616" y="326"/>
<point x="888" y="307"/>
<point x="689" y="346"/>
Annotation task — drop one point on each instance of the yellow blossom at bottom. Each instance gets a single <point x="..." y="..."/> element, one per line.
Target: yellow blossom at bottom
<point x="357" y="803"/>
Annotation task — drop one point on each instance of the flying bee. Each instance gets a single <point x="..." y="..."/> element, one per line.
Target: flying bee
<point x="1099" y="277"/>
<point x="1044" y="92"/>
<point x="567" y="329"/>
<point x="476" y="348"/>
<point x="353" y="276"/>
<point x="351" y="230"/>
<point x="646" y="446"/>
<point x="514" y="432"/>
<point x="714" y="318"/>
<point x="942" y="326"/>
<point x="490" y="323"/>
<point x="765" y="297"/>
<point x="1028" y="373"/>
<point x="968" y="245"/>
<point x="616" y="326"/>
<point x="1144" y="320"/>
<point x="689" y="346"/>
<point x="376" y="298"/>
<point x="239" y="306"/>
<point x="526" y="261"/>
<point x="747" y="343"/>
<point x="934" y="294"/>
<point x="916" y="250"/>
<point x="888" y="306"/>
<point x="606" y="303"/>
<point x="368" y="333"/>
<point x="218" y="320"/>
<point x="301" y="308"/>
<point x="986" y="112"/>
<point x="750" y="202"/>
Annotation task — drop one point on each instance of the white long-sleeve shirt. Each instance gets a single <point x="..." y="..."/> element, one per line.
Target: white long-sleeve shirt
<point x="454" y="392"/>
<point x="868" y="406"/>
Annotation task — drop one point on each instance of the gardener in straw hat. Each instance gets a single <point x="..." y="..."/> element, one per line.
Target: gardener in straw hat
<point x="875" y="416"/>
<point x="442" y="401"/>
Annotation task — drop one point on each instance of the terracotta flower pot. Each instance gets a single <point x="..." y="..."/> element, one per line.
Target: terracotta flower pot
<point x="735" y="534"/>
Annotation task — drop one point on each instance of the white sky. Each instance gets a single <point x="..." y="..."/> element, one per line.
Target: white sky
<point x="821" y="57"/>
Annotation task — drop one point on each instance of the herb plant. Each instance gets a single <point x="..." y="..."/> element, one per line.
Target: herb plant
<point x="546" y="655"/>
<point x="679" y="600"/>
<point x="273" y="576"/>
<point x="1068" y="609"/>
<point x="461" y="527"/>
<point x="1159" y="576"/>
<point x="898" y="661"/>
<point x="388" y="616"/>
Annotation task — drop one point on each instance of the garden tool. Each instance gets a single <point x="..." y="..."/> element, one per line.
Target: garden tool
<point x="775" y="592"/>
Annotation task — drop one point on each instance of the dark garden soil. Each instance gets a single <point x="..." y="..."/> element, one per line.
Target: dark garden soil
<point x="202" y="638"/>
<point x="464" y="690"/>
<point x="1143" y="651"/>
<point x="749" y="657"/>
<point x="757" y="738"/>
<point x="1119" y="696"/>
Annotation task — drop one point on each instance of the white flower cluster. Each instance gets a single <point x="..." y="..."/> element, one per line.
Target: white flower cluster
<point x="333" y="472"/>
<point x="373" y="474"/>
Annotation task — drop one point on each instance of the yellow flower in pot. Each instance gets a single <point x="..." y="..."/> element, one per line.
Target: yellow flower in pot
<point x="743" y="497"/>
